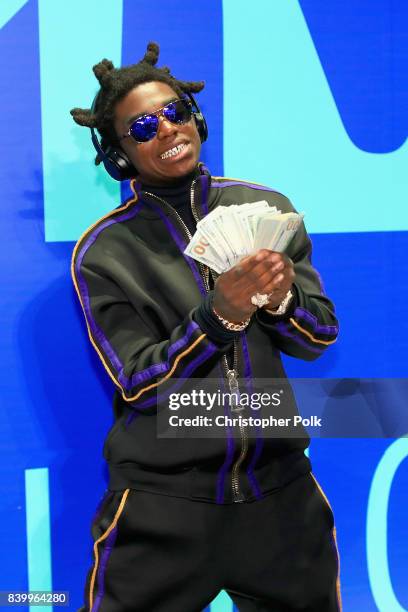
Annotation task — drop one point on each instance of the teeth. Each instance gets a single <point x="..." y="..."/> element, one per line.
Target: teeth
<point x="173" y="151"/>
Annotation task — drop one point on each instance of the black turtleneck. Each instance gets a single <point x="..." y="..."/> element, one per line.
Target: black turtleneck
<point x="178" y="194"/>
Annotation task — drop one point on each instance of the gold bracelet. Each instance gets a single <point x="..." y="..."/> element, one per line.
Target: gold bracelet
<point x="229" y="325"/>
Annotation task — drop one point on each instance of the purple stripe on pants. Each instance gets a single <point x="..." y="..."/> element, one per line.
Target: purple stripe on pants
<point x="110" y="542"/>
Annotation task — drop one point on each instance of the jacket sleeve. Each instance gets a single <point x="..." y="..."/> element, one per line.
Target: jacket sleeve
<point x="137" y="361"/>
<point x="310" y="326"/>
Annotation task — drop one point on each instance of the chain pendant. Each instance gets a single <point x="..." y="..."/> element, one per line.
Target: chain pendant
<point x="232" y="376"/>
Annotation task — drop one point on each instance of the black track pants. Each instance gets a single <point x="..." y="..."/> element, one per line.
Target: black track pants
<point x="156" y="553"/>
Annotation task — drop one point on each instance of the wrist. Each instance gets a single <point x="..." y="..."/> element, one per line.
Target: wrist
<point x="231" y="325"/>
<point x="282" y="307"/>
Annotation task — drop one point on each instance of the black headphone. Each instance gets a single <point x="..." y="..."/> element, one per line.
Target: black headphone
<point x="116" y="162"/>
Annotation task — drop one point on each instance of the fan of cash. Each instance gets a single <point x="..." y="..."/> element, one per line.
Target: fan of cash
<point x="229" y="233"/>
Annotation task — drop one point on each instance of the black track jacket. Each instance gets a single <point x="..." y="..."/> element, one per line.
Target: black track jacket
<point x="139" y="294"/>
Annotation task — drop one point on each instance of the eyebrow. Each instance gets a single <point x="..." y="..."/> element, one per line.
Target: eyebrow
<point x="134" y="117"/>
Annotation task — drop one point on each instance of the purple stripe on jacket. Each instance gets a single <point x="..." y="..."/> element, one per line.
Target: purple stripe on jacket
<point x="308" y="316"/>
<point x="204" y="179"/>
<point x="160" y="397"/>
<point x="222" y="472"/>
<point x="96" y="331"/>
<point x="110" y="541"/>
<point x="159" y="368"/>
<point x="181" y="244"/>
<point x="182" y="341"/>
<point x="230" y="442"/>
<point x="152" y="401"/>
<point x="259" y="438"/>
<point x="283" y="329"/>
<point x="153" y="370"/>
<point x="143" y="375"/>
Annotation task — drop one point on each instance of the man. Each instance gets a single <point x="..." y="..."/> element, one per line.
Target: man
<point x="183" y="519"/>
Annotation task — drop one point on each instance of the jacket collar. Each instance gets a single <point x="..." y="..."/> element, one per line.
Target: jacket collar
<point x="204" y="197"/>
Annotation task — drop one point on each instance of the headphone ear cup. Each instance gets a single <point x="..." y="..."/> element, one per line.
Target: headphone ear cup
<point x="201" y="125"/>
<point x="118" y="165"/>
<point x="116" y="162"/>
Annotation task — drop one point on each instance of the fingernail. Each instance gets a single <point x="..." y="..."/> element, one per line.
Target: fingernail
<point x="279" y="278"/>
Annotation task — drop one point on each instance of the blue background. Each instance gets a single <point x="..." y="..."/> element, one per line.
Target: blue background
<point x="55" y="395"/>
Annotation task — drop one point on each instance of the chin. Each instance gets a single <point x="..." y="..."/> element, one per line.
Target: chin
<point x="182" y="169"/>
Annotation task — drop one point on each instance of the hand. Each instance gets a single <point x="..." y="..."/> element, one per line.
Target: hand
<point x="283" y="279"/>
<point x="262" y="272"/>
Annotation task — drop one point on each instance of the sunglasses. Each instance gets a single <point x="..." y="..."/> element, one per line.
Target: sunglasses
<point x="145" y="128"/>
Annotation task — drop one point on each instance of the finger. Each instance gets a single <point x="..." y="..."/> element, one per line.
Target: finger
<point x="282" y="261"/>
<point x="257" y="265"/>
<point x="244" y="267"/>
<point x="278" y="286"/>
<point x="283" y="266"/>
<point x="274" y="285"/>
<point x="238" y="271"/>
<point x="255" y="271"/>
<point x="278" y="266"/>
<point x="277" y="281"/>
<point x="270" y="269"/>
<point x="264" y="272"/>
<point x="251" y="261"/>
<point x="274" y="263"/>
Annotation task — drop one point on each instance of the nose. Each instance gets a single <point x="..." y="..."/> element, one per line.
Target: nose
<point x="165" y="128"/>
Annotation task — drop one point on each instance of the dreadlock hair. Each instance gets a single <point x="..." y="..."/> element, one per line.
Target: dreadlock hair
<point x="116" y="83"/>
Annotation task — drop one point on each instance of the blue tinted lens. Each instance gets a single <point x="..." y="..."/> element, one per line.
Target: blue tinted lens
<point x="144" y="128"/>
<point x="178" y="111"/>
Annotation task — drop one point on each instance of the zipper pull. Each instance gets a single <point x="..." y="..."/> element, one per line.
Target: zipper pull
<point x="234" y="390"/>
<point x="238" y="498"/>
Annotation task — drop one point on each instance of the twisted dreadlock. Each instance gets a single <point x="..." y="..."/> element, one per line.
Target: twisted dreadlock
<point x="116" y="83"/>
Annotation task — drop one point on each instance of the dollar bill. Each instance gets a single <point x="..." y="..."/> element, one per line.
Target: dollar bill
<point x="229" y="233"/>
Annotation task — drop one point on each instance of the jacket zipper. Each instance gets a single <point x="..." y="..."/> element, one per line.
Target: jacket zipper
<point x="231" y="375"/>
